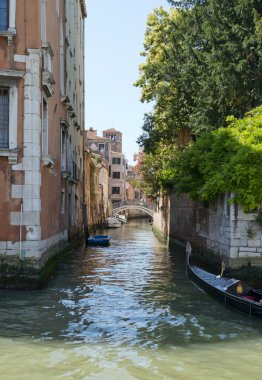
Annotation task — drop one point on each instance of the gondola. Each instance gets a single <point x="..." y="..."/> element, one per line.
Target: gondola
<point x="99" y="240"/>
<point x="232" y="292"/>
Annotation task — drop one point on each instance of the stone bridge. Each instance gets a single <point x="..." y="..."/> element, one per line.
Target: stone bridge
<point x="133" y="205"/>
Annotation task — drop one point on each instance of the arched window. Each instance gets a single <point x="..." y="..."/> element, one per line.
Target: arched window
<point x="4" y="15"/>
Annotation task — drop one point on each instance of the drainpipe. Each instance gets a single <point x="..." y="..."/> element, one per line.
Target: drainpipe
<point x="21" y="253"/>
<point x="84" y="205"/>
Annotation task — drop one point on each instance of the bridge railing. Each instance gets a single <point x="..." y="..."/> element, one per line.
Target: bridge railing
<point x="149" y="206"/>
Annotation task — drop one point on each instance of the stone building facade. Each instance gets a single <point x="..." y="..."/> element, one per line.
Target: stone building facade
<point x="117" y="166"/>
<point x="41" y="132"/>
<point x="109" y="146"/>
<point x="96" y="189"/>
<point x="97" y="153"/>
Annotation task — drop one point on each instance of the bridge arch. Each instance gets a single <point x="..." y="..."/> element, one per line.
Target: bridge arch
<point x="133" y="205"/>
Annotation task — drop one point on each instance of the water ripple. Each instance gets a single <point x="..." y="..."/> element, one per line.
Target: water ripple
<point x="133" y="292"/>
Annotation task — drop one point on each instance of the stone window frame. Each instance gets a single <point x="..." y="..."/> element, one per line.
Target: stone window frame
<point x="48" y="81"/>
<point x="11" y="84"/>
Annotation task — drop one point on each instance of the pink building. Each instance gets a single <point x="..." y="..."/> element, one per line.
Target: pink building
<point x="41" y="131"/>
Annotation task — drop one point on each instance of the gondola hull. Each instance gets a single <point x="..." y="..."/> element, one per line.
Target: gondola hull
<point x="231" y="292"/>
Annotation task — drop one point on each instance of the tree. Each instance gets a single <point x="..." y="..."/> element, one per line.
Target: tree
<point x="157" y="170"/>
<point x="203" y="62"/>
<point x="226" y="160"/>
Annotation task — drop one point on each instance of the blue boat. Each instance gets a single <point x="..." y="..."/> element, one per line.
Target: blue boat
<point x="99" y="240"/>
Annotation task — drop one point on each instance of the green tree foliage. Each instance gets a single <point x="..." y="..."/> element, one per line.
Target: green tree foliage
<point x="157" y="170"/>
<point x="157" y="81"/>
<point x="226" y="160"/>
<point x="202" y="63"/>
<point x="151" y="136"/>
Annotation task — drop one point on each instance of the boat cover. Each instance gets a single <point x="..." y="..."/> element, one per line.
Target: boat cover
<point x="221" y="283"/>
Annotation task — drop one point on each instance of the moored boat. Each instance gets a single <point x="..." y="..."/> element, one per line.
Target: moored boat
<point x="230" y="291"/>
<point x="121" y="218"/>
<point x="99" y="240"/>
<point x="112" y="222"/>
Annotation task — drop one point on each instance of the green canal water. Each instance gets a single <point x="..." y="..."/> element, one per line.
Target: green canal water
<point x="123" y="312"/>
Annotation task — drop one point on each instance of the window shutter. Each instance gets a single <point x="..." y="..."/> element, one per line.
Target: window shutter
<point x="3" y="15"/>
<point x="4" y="118"/>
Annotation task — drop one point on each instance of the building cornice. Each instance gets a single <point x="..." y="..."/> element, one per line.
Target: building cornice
<point x="83" y="8"/>
<point x="12" y="73"/>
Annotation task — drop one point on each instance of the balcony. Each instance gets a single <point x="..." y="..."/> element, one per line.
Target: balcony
<point x="48" y="83"/>
<point x="47" y="73"/>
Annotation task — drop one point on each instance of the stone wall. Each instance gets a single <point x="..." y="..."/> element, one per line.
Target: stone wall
<point x="32" y="267"/>
<point x="161" y="219"/>
<point x="220" y="227"/>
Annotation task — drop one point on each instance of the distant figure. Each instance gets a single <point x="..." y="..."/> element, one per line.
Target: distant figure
<point x="188" y="248"/>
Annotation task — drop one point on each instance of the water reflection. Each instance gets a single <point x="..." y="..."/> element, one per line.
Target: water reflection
<point x="129" y="310"/>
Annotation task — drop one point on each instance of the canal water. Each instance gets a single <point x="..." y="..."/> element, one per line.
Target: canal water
<point x="123" y="312"/>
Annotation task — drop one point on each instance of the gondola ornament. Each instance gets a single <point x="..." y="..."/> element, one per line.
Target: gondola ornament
<point x="223" y="268"/>
<point x="188" y="248"/>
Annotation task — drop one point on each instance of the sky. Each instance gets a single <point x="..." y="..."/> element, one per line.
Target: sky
<point x="114" y="36"/>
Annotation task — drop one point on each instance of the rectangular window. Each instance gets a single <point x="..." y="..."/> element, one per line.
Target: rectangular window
<point x="101" y="146"/>
<point x="116" y="161"/>
<point x="45" y="128"/>
<point x="116" y="175"/>
<point x="3" y="15"/>
<point x="74" y="170"/>
<point x="63" y="151"/>
<point x="115" y="190"/>
<point x="62" y="201"/>
<point x="4" y="118"/>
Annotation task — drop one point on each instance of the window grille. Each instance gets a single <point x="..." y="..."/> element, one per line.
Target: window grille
<point x="4" y="118"/>
<point x="115" y="190"/>
<point x="116" y="175"/>
<point x="101" y="146"/>
<point x="116" y="161"/>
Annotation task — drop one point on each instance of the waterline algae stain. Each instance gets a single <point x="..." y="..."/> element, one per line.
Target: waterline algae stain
<point x="126" y="311"/>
